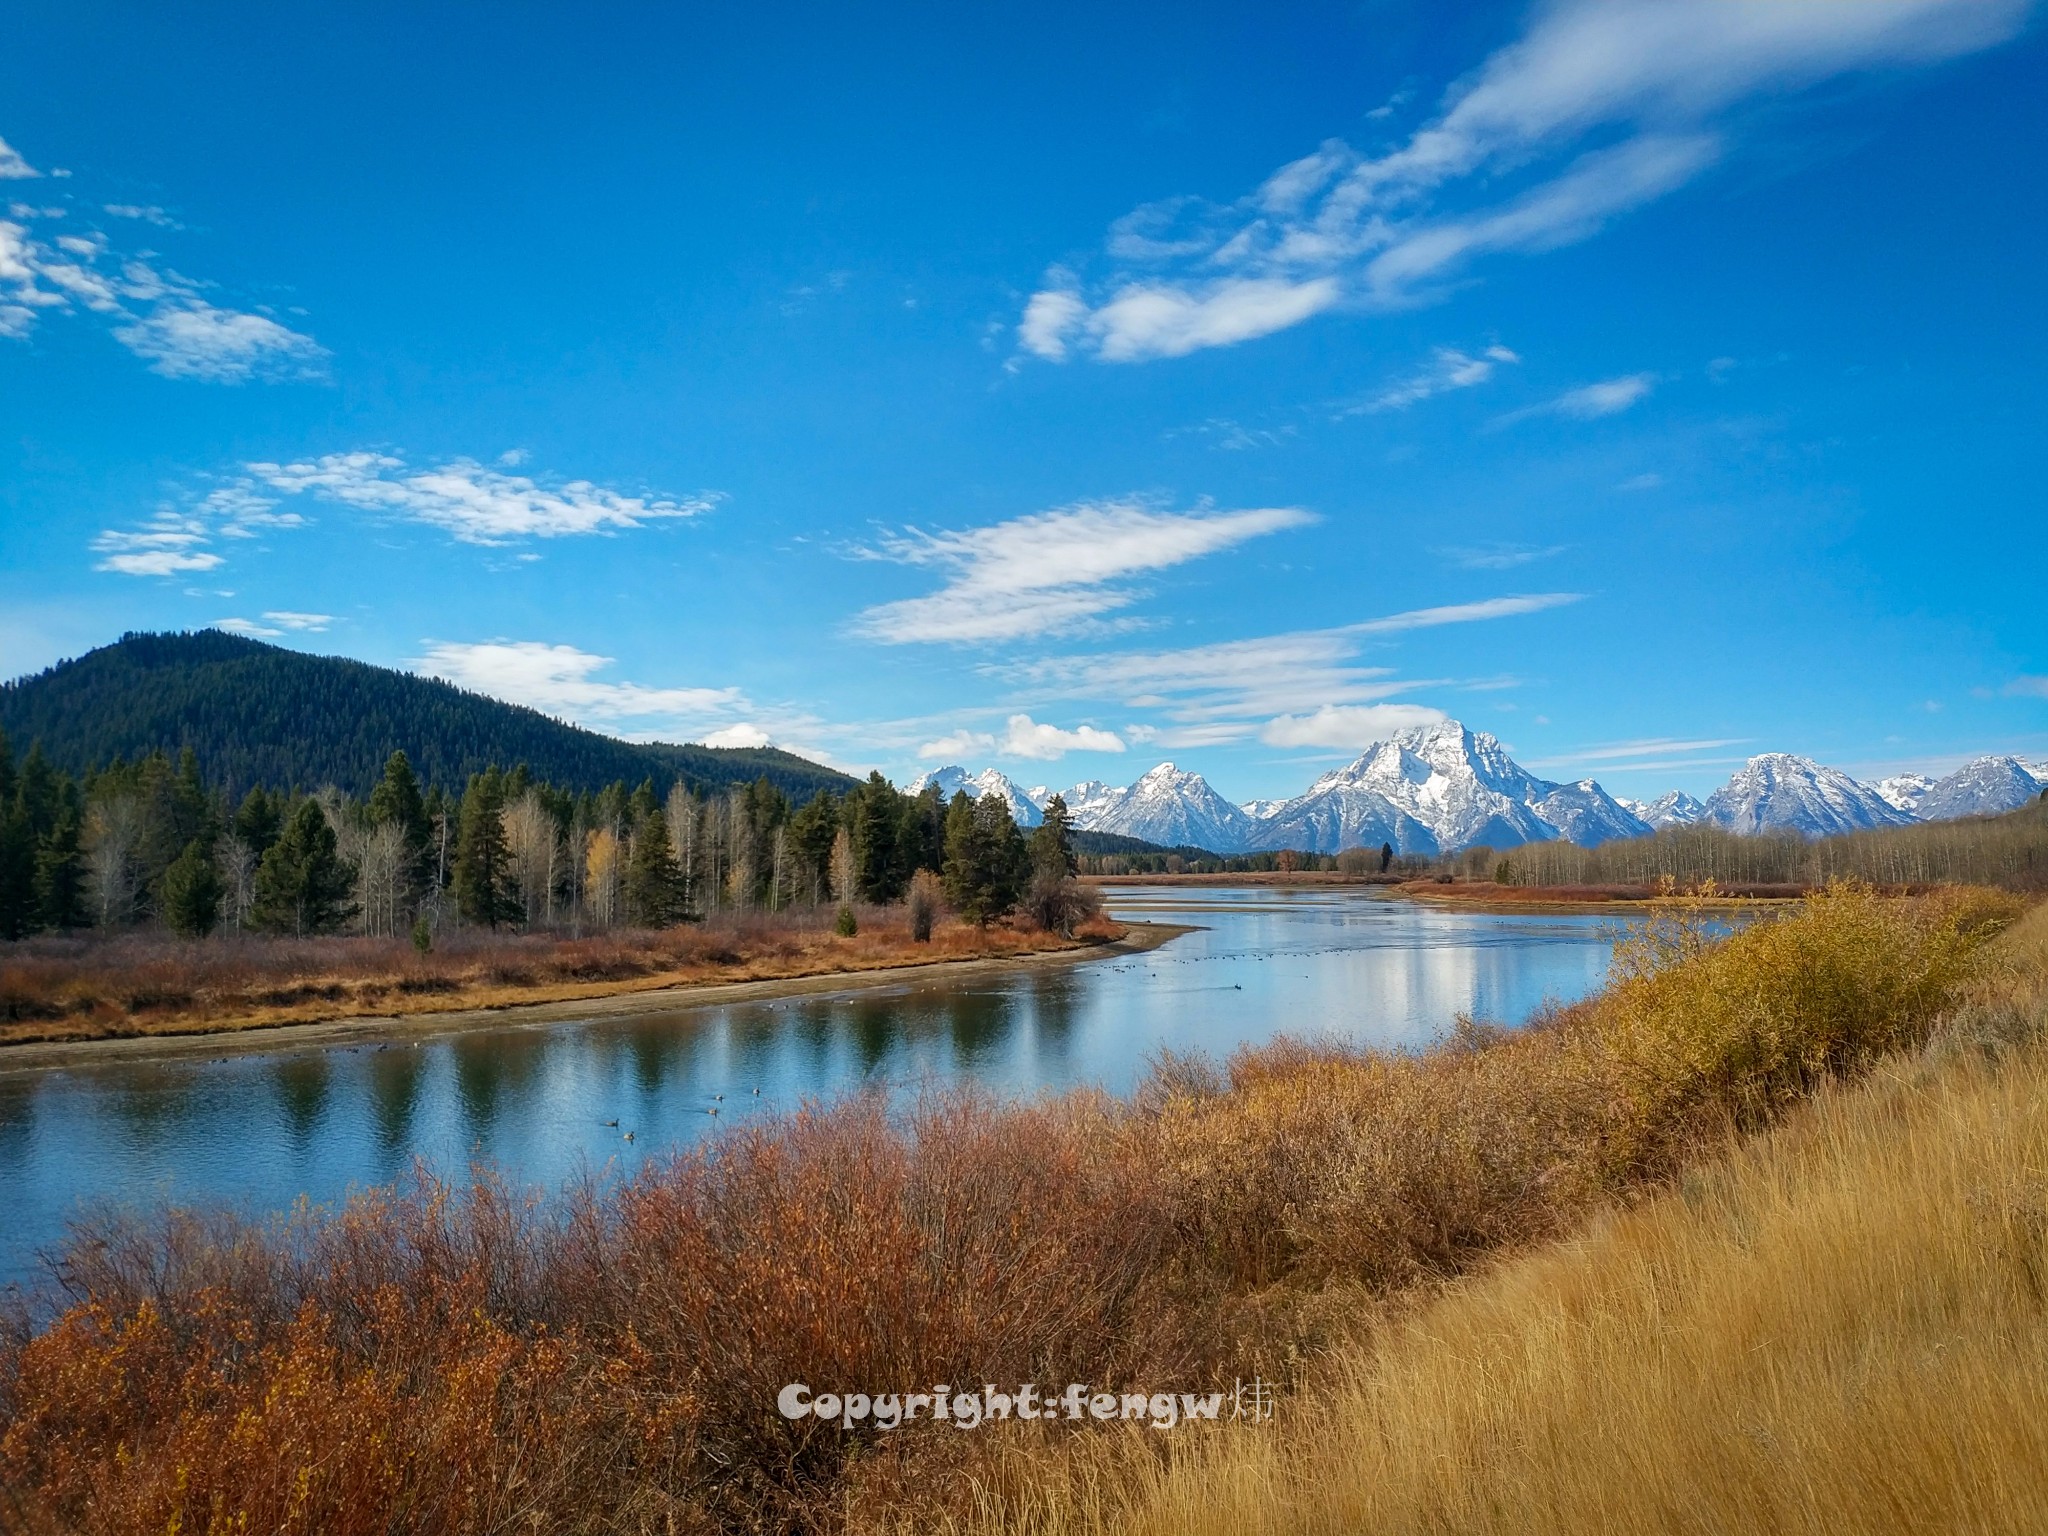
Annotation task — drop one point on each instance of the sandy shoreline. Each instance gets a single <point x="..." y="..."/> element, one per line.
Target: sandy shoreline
<point x="376" y="1029"/>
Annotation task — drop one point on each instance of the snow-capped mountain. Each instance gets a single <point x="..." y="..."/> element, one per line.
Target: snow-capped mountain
<point x="1089" y="801"/>
<point x="953" y="778"/>
<point x="1982" y="788"/>
<point x="1442" y="786"/>
<point x="1673" y="808"/>
<point x="1170" y="807"/>
<point x="1779" y="792"/>
<point x="1904" y="791"/>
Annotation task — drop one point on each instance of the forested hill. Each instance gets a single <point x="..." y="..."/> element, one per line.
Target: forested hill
<point x="259" y="714"/>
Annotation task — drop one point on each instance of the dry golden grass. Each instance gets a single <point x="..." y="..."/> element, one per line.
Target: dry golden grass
<point x="92" y="988"/>
<point x="1841" y="1327"/>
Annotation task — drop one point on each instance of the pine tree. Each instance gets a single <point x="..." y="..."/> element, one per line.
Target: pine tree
<point x="60" y="868"/>
<point x="1052" y="844"/>
<point x="192" y="892"/>
<point x="986" y="859"/>
<point x="258" y="821"/>
<point x="654" y="881"/>
<point x="302" y="886"/>
<point x="17" y="853"/>
<point x="397" y="800"/>
<point x="483" y="877"/>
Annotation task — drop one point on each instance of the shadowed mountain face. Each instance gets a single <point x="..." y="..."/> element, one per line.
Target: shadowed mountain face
<point x="259" y="714"/>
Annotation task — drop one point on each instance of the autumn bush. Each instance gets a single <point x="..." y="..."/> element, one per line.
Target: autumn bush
<point x="441" y="1357"/>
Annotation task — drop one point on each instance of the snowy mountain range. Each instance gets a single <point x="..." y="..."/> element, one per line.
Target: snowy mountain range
<point x="1442" y="787"/>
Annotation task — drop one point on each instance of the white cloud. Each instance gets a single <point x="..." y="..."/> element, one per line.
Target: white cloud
<point x="166" y="544"/>
<point x="1467" y="613"/>
<point x="744" y="734"/>
<point x="475" y="504"/>
<point x="2028" y="687"/>
<point x="248" y="627"/>
<point x="559" y="680"/>
<point x="1055" y="571"/>
<point x="192" y="339"/>
<point x="1600" y="107"/>
<point x="160" y="315"/>
<point x="1212" y="693"/>
<point x="147" y="215"/>
<point x="1607" y="398"/>
<point x="1148" y="320"/>
<point x="1048" y="319"/>
<point x="1347" y="725"/>
<point x="1450" y="369"/>
<point x="12" y="166"/>
<point x="1643" y="482"/>
<point x="310" y="623"/>
<point x="1590" y="402"/>
<point x="1496" y="557"/>
<point x="1022" y="737"/>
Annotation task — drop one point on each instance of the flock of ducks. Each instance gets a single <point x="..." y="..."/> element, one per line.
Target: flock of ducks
<point x="711" y="1109"/>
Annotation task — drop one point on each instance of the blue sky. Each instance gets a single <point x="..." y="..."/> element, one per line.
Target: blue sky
<point x="1647" y="383"/>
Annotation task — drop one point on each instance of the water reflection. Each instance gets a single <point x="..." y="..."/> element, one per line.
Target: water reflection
<point x="262" y="1127"/>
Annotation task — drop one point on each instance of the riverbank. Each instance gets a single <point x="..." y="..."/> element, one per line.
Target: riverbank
<point x="620" y="1001"/>
<point x="358" y="990"/>
<point x="610" y="1359"/>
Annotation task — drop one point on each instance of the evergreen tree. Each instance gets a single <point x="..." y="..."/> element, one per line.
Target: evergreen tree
<point x="483" y="876"/>
<point x="654" y="880"/>
<point x="60" y="868"/>
<point x="258" y="821"/>
<point x="397" y="800"/>
<point x="302" y="885"/>
<point x="986" y="859"/>
<point x="1052" y="844"/>
<point x="192" y="893"/>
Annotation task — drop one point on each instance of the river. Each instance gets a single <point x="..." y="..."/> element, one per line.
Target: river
<point x="259" y="1127"/>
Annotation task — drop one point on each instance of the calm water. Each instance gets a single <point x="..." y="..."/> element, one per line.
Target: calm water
<point x="260" y="1127"/>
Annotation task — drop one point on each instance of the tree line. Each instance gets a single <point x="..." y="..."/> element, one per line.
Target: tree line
<point x="150" y="843"/>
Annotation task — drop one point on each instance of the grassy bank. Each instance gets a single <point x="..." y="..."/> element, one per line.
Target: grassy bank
<point x="453" y="1359"/>
<point x="1841" y="1326"/>
<point x="91" y="988"/>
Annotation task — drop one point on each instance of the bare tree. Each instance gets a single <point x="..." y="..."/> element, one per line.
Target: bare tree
<point x="533" y="844"/>
<point x="842" y="868"/>
<point x="681" y="812"/>
<point x="381" y="878"/>
<point x="236" y="860"/>
<point x="112" y="829"/>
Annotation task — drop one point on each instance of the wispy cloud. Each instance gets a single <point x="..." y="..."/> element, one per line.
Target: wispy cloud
<point x="1590" y="402"/>
<point x="160" y="315"/>
<point x="1299" y="672"/>
<point x="2028" y="687"/>
<point x="1467" y="613"/>
<point x="1051" y="572"/>
<point x="12" y="166"/>
<point x="1450" y="369"/>
<point x="476" y="504"/>
<point x="276" y="623"/>
<point x="561" y="680"/>
<point x="1495" y="557"/>
<point x="1630" y="754"/>
<point x="1023" y="737"/>
<point x="182" y="539"/>
<point x="1347" y="725"/>
<point x="1601" y="106"/>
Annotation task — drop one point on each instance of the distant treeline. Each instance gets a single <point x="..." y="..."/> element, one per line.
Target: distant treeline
<point x="1142" y="859"/>
<point x="2009" y="850"/>
<point x="153" y="842"/>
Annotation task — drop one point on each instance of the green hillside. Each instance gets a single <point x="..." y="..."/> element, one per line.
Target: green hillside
<point x="259" y="714"/>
